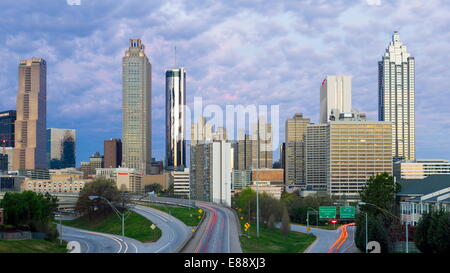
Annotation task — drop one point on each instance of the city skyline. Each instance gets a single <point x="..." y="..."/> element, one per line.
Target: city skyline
<point x="70" y="106"/>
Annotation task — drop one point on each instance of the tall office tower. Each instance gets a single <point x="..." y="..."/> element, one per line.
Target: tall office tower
<point x="7" y="120"/>
<point x="243" y="151"/>
<point x="396" y="88"/>
<point x="61" y="147"/>
<point x="359" y="149"/>
<point x="201" y="131"/>
<point x="113" y="153"/>
<point x="210" y="172"/>
<point x="317" y="156"/>
<point x="220" y="134"/>
<point x="335" y="96"/>
<point x="136" y="107"/>
<point x="262" y="144"/>
<point x="175" y="118"/>
<point x="295" y="150"/>
<point x="31" y="123"/>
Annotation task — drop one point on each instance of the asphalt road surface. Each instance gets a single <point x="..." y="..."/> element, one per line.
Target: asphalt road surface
<point x="325" y="238"/>
<point x="221" y="233"/>
<point x="174" y="233"/>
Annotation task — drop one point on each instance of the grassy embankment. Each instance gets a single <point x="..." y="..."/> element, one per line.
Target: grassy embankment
<point x="188" y="216"/>
<point x="136" y="226"/>
<point x="32" y="246"/>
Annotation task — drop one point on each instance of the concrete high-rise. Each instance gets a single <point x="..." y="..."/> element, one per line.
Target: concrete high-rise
<point x="335" y="96"/>
<point x="295" y="150"/>
<point x="136" y="108"/>
<point x="210" y="172"/>
<point x="261" y="138"/>
<point x="201" y="131"/>
<point x="61" y="148"/>
<point x="317" y="156"/>
<point x="175" y="118"/>
<point x="243" y="151"/>
<point x="112" y="153"/>
<point x="396" y="91"/>
<point x="30" y="126"/>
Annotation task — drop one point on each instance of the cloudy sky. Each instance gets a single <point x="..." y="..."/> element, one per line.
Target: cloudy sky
<point x="235" y="52"/>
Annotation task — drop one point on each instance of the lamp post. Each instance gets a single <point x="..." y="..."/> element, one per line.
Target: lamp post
<point x="390" y="214"/>
<point x="121" y="215"/>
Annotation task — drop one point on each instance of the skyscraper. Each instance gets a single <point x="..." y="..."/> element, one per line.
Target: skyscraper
<point x="261" y="139"/>
<point x="201" y="131"/>
<point x="61" y="148"/>
<point x="243" y="151"/>
<point x="136" y="107"/>
<point x="295" y="150"/>
<point x="113" y="153"/>
<point x="31" y="122"/>
<point x="175" y="117"/>
<point x="7" y="120"/>
<point x="335" y="96"/>
<point x="396" y="89"/>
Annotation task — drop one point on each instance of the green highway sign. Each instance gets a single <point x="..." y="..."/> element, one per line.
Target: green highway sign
<point x="327" y="212"/>
<point x="347" y="212"/>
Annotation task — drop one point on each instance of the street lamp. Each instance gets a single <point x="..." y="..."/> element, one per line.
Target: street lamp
<point x="121" y="215"/>
<point x="390" y="214"/>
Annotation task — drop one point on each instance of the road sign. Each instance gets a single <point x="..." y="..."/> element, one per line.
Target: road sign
<point x="200" y="210"/>
<point x="347" y="212"/>
<point x="193" y="230"/>
<point x="308" y="229"/>
<point x="247" y="225"/>
<point x="327" y="212"/>
<point x="153" y="226"/>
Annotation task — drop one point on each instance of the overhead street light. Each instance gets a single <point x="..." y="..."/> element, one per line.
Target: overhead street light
<point x="361" y="203"/>
<point x="121" y="215"/>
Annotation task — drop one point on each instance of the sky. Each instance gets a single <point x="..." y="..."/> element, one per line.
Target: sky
<point x="234" y="52"/>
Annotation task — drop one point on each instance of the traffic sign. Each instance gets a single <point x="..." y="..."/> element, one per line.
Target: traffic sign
<point x="327" y="212"/>
<point x="247" y="225"/>
<point x="308" y="229"/>
<point x="200" y="210"/>
<point x="153" y="226"/>
<point x="347" y="212"/>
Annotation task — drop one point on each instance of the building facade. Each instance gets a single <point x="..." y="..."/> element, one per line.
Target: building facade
<point x="396" y="92"/>
<point x="136" y="108"/>
<point x="31" y="123"/>
<point x="358" y="150"/>
<point x="129" y="180"/>
<point x="181" y="183"/>
<point x="210" y="172"/>
<point x="335" y="96"/>
<point x="7" y="128"/>
<point x="317" y="159"/>
<point x="241" y="179"/>
<point x="420" y="168"/>
<point x="61" y="148"/>
<point x="261" y="139"/>
<point x="175" y="118"/>
<point x="112" y="153"/>
<point x="295" y="150"/>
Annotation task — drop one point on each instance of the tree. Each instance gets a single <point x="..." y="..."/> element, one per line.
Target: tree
<point x="422" y="241"/>
<point x="285" y="223"/>
<point x="98" y="207"/>
<point x="271" y="222"/>
<point x="155" y="187"/>
<point x="379" y="190"/>
<point x="34" y="211"/>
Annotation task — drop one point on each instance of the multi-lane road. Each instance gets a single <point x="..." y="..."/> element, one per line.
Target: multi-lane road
<point x="220" y="233"/>
<point x="174" y="234"/>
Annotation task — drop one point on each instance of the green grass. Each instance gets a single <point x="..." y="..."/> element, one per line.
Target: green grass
<point x="182" y="213"/>
<point x="32" y="246"/>
<point x="273" y="241"/>
<point x="136" y="226"/>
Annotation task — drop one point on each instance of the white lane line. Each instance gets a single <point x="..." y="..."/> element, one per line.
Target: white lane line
<point x="103" y="235"/>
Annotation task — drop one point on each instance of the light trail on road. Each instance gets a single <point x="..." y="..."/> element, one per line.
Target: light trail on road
<point x="342" y="238"/>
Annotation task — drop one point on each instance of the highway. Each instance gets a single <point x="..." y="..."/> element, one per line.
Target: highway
<point x="220" y="232"/>
<point x="174" y="233"/>
<point x="325" y="238"/>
